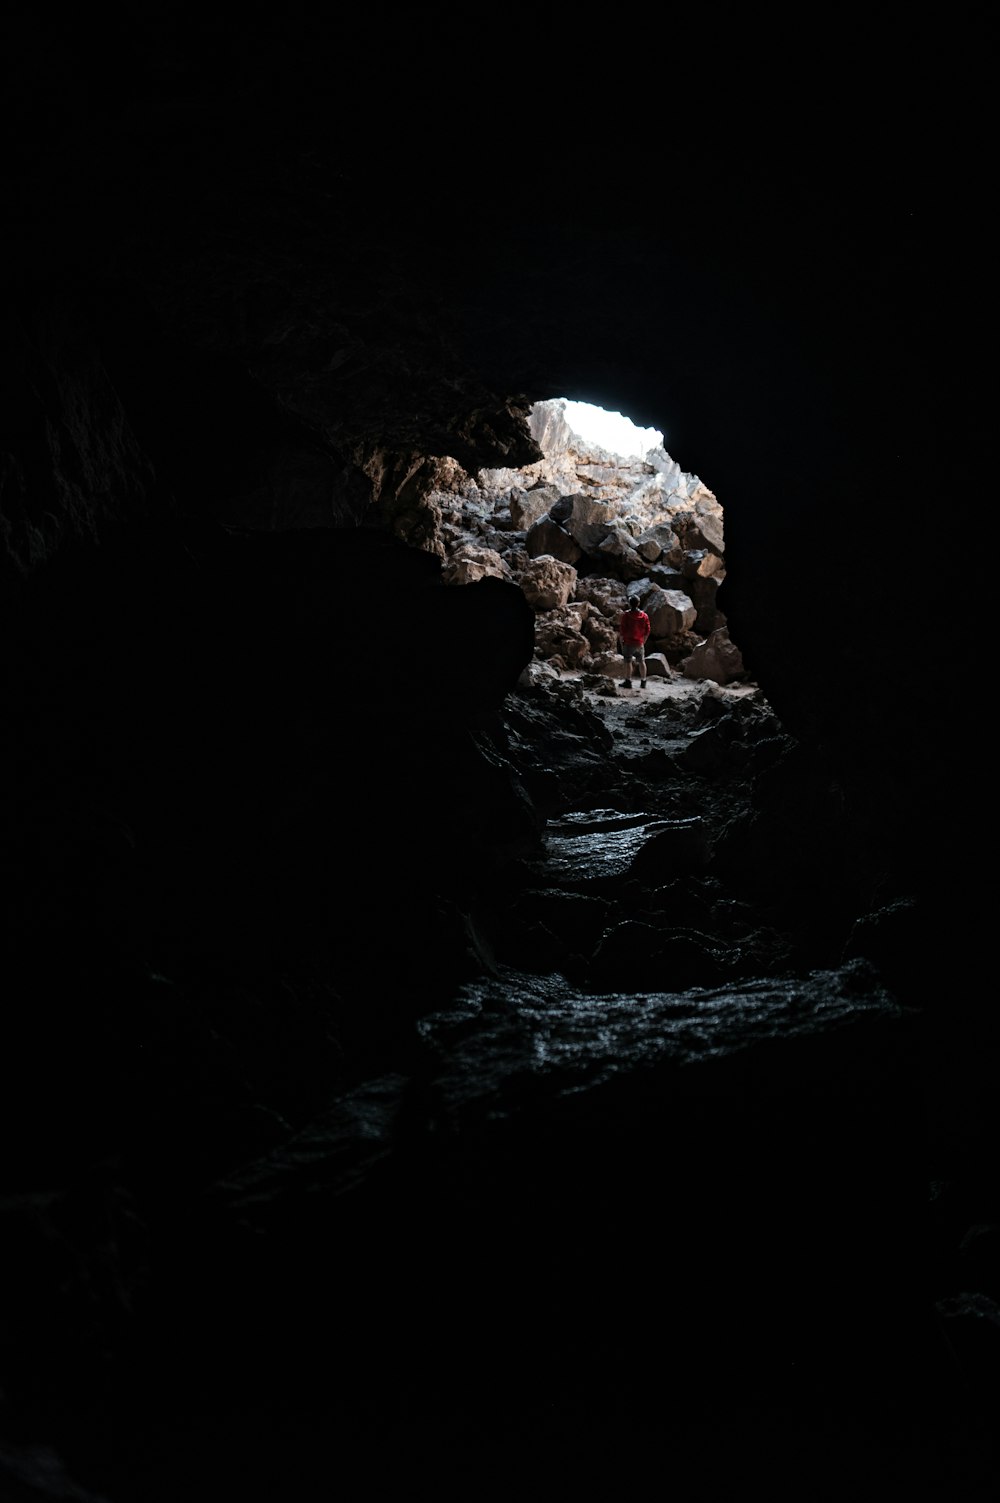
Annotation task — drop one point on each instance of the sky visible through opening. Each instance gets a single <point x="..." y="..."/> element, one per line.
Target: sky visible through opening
<point x="619" y="435"/>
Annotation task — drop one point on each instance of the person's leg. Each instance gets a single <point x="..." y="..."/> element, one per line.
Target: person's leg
<point x="627" y="655"/>
<point x="642" y="668"/>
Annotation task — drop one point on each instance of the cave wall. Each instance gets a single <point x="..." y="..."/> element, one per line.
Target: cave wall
<point x="260" y="279"/>
<point x="234" y="302"/>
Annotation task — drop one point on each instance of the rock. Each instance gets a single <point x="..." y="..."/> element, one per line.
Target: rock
<point x="657" y="665"/>
<point x="547" y="583"/>
<point x="547" y="537"/>
<point x="468" y="564"/>
<point x="670" y="612"/>
<point x="526" y="507"/>
<point x="717" y="658"/>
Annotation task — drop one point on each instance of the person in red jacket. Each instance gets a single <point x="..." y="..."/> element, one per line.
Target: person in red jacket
<point x="633" y="629"/>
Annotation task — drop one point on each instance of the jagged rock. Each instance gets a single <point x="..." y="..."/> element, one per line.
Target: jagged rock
<point x="538" y="671"/>
<point x="526" y="507"/>
<point x="624" y="530"/>
<point x="559" y="635"/>
<point x="467" y="564"/>
<point x="547" y="583"/>
<point x="702" y="563"/>
<point x="550" y="428"/>
<point x="704" y="596"/>
<point x="601" y="633"/>
<point x="702" y="527"/>
<point x="605" y="595"/>
<point x="654" y="542"/>
<point x="668" y="575"/>
<point x="589" y="521"/>
<point x="670" y="612"/>
<point x="618" y="555"/>
<point x="611" y="664"/>
<point x="657" y="665"/>
<point x="717" y="658"/>
<point x="547" y="537"/>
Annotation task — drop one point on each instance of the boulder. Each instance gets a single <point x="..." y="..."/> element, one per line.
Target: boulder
<point x="618" y="556"/>
<point x="547" y="583"/>
<point x="470" y="563"/>
<point x="657" y="665"/>
<point x="558" y="636"/>
<point x="716" y="658"/>
<point x="546" y="537"/>
<point x="527" y="506"/>
<point x="589" y="521"/>
<point x="670" y="612"/>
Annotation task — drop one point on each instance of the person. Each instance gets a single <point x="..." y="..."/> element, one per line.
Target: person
<point x="633" y="629"/>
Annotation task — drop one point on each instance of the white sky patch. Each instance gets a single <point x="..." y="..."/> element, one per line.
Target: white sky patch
<point x="617" y="434"/>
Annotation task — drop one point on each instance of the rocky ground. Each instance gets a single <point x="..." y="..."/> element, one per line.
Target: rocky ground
<point x="640" y="1191"/>
<point x="559" y="1105"/>
<point x="647" y="713"/>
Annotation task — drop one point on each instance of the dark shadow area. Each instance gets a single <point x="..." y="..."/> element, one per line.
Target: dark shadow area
<point x="361" y="1134"/>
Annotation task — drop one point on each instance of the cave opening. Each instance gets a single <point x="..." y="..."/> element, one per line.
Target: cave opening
<point x="604" y="514"/>
<point x="611" y="430"/>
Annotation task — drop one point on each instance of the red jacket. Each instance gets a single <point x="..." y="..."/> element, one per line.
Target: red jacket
<point x="633" y="626"/>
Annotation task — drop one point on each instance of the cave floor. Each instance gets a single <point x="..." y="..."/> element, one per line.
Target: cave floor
<point x="527" y="1249"/>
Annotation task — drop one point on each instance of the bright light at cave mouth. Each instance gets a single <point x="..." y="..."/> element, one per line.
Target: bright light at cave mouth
<point x="617" y="434"/>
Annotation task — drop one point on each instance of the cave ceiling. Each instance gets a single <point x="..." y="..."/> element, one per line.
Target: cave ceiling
<point x="311" y="262"/>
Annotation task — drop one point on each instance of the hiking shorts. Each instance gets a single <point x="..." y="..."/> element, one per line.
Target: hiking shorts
<point x="634" y="652"/>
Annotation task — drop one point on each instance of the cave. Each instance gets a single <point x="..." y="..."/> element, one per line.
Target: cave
<point x="427" y="1064"/>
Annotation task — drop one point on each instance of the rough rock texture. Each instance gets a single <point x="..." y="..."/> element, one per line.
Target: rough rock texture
<point x="641" y="529"/>
<point x="425" y="1068"/>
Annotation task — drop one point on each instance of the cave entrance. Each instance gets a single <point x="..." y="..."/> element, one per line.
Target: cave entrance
<point x="611" y="431"/>
<point x="606" y="513"/>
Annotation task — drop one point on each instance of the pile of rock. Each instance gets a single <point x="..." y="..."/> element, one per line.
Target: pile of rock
<point x="639" y="527"/>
